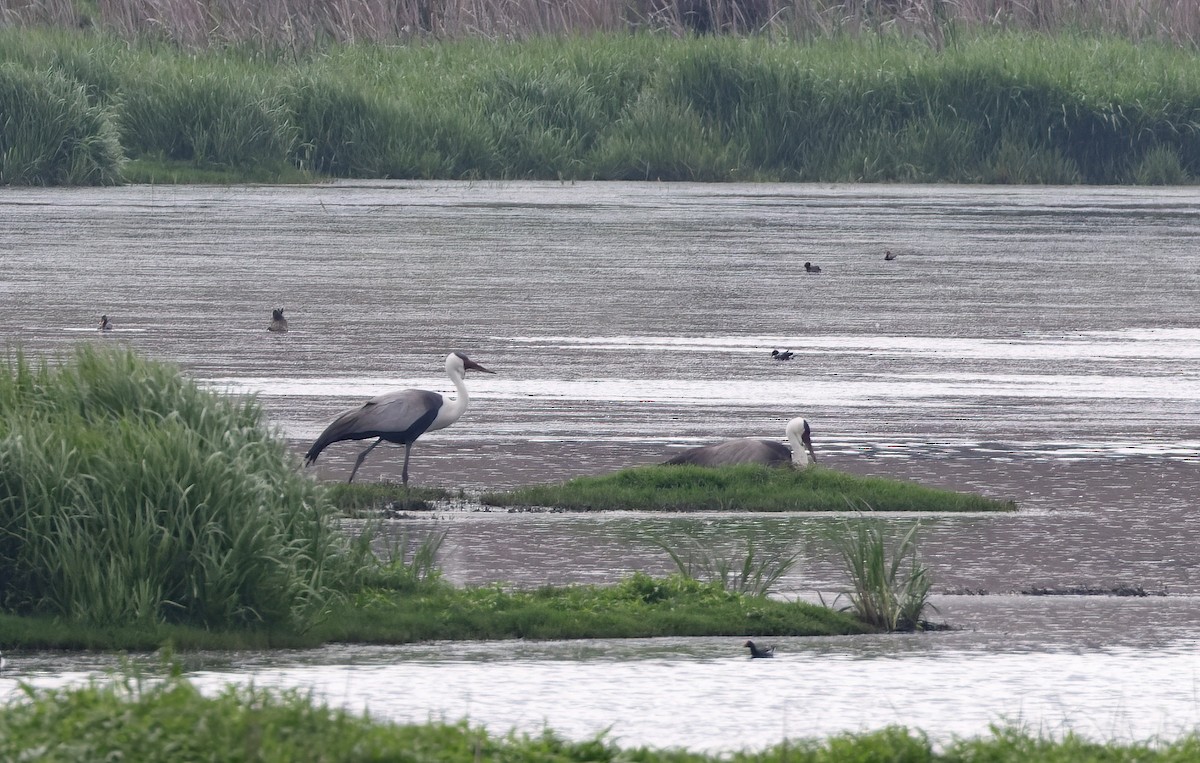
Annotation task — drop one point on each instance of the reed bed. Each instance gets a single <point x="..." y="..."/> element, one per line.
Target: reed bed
<point x="135" y="719"/>
<point x="1006" y="107"/>
<point x="300" y="24"/>
<point x="50" y="134"/>
<point x="740" y="488"/>
<point x="129" y="496"/>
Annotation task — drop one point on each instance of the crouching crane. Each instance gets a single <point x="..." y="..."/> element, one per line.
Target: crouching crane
<point x="751" y="450"/>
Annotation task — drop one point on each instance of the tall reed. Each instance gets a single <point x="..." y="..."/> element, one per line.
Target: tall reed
<point x="129" y="495"/>
<point x="211" y="112"/>
<point x="889" y="585"/>
<point x="407" y="564"/>
<point x="743" y="569"/>
<point x="50" y="134"/>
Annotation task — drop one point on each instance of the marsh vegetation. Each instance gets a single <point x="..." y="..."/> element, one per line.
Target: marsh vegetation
<point x="1002" y="107"/>
<point x="138" y="506"/>
<point x="889" y="586"/>
<point x="129" y="495"/>
<point x="639" y="606"/>
<point x="297" y="26"/>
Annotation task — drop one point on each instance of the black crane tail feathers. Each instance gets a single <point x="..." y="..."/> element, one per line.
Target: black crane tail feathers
<point x="341" y="428"/>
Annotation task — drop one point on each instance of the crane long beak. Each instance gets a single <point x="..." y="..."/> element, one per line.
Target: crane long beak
<point x="470" y="365"/>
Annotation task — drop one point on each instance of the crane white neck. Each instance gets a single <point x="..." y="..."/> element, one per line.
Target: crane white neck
<point x="795" y="433"/>
<point x="452" y="409"/>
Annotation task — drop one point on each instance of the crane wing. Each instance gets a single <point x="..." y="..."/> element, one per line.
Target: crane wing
<point x="743" y="451"/>
<point x="399" y="416"/>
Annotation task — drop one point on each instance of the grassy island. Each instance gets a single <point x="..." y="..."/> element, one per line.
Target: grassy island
<point x="638" y="607"/>
<point x="430" y="609"/>
<point x="741" y="488"/>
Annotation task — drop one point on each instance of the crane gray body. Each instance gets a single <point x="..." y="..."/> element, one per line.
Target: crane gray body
<point x="400" y="417"/>
<point x="752" y="450"/>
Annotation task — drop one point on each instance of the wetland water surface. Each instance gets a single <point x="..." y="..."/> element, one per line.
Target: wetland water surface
<point x="1039" y="344"/>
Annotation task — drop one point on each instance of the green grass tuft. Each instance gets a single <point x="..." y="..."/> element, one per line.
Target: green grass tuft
<point x="741" y="488"/>
<point x="751" y="571"/>
<point x="129" y="496"/>
<point x="889" y="585"/>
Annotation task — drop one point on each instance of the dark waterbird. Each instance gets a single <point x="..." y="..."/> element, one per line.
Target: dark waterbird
<point x="278" y="323"/>
<point x="811" y="268"/>
<point x="888" y="255"/>
<point x="751" y="450"/>
<point x="785" y="355"/>
<point x="400" y="417"/>
<point x="759" y="651"/>
<point x="105" y="324"/>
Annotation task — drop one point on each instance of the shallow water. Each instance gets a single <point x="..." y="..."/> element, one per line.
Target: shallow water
<point x="705" y="694"/>
<point x="1038" y="344"/>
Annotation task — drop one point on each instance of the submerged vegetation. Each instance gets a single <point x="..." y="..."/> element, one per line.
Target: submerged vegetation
<point x="1001" y="107"/>
<point x="132" y="719"/>
<point x="741" y="488"/>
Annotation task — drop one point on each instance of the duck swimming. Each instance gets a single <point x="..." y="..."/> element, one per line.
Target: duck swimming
<point x="889" y="255"/>
<point x="105" y="324"/>
<point x="785" y="355"/>
<point x="278" y="322"/>
<point x="811" y="268"/>
<point x="757" y="651"/>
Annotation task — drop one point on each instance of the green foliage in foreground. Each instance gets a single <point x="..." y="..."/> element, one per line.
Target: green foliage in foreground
<point x="128" y="719"/>
<point x="741" y="488"/>
<point x="128" y="495"/>
<point x="638" y="607"/>
<point x="990" y="108"/>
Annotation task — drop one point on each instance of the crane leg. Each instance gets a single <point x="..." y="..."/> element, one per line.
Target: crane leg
<point x="361" y="456"/>
<point x="407" y="453"/>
